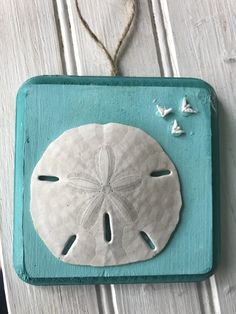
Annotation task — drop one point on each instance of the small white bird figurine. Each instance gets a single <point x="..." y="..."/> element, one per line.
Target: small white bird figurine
<point x="163" y="111"/>
<point x="176" y="130"/>
<point x="186" y="108"/>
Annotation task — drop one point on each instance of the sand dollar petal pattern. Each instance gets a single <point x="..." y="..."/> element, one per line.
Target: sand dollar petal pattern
<point x="105" y="195"/>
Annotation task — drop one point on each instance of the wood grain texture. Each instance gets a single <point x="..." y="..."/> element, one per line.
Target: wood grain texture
<point x="107" y="19"/>
<point x="191" y="38"/>
<point x="29" y="46"/>
<point x="158" y="299"/>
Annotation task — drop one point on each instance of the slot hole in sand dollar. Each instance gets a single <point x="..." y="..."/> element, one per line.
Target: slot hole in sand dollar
<point x="107" y="228"/>
<point x="68" y="244"/>
<point x="160" y="173"/>
<point x="147" y="240"/>
<point x="48" y="178"/>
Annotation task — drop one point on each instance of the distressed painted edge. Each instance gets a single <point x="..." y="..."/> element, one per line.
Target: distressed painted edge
<point x="117" y="81"/>
<point x="18" y="259"/>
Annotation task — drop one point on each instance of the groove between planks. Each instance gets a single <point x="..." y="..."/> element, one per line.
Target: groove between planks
<point x="65" y="36"/>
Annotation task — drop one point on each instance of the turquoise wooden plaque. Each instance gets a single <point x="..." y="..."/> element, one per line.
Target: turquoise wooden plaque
<point x="49" y="105"/>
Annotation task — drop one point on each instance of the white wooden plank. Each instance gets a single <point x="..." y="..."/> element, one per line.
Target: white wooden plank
<point x="202" y="46"/>
<point x="28" y="46"/>
<point x="107" y="19"/>
<point x="158" y="299"/>
<point x="204" y="33"/>
<point x="140" y="58"/>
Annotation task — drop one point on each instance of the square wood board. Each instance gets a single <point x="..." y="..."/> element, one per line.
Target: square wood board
<point x="49" y="105"/>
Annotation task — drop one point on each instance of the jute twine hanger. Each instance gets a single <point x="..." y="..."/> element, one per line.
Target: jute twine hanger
<point x="112" y="59"/>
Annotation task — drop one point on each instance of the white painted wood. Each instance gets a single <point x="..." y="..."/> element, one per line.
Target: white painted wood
<point x="204" y="36"/>
<point x="187" y="38"/>
<point x="161" y="37"/>
<point x="65" y="31"/>
<point x="107" y="19"/>
<point x="28" y="46"/>
<point x="158" y="299"/>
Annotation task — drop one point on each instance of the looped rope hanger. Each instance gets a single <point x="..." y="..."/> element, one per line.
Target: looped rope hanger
<point x="112" y="59"/>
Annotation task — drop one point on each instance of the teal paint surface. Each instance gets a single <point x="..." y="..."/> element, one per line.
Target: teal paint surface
<point x="49" y="105"/>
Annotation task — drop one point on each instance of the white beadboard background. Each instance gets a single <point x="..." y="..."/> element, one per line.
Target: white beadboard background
<point x="194" y="38"/>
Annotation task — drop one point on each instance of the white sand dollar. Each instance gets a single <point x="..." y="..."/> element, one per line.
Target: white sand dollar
<point x="105" y="195"/>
